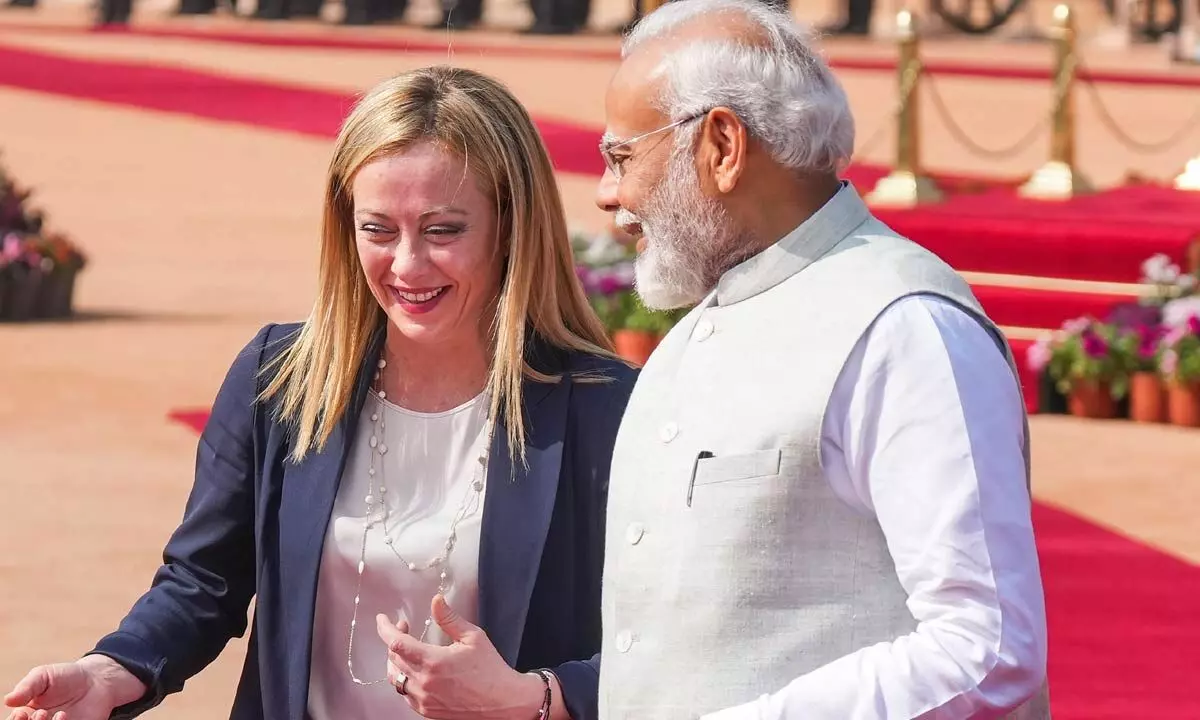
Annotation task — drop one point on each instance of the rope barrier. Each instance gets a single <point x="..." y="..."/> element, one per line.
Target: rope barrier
<point x="1130" y="142"/>
<point x="1059" y="177"/>
<point x="963" y="138"/>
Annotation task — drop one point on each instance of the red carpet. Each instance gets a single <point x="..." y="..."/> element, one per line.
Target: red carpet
<point x="1020" y="307"/>
<point x="1124" y="626"/>
<point x="217" y="97"/>
<point x="1123" y="623"/>
<point x="1029" y="379"/>
<point x="1100" y="237"/>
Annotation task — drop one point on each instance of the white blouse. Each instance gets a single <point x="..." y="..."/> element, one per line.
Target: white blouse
<point x="428" y="472"/>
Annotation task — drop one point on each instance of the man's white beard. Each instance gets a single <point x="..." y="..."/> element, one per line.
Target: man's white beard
<point x="690" y="241"/>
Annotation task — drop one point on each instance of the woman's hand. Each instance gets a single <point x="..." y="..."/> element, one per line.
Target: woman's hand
<point x="87" y="689"/>
<point x="466" y="681"/>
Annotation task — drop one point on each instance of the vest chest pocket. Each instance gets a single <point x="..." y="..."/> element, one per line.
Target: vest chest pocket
<point x="731" y="468"/>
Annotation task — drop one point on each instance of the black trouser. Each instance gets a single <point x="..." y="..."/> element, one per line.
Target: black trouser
<point x="458" y="13"/>
<point x="197" y="7"/>
<point x="115" y="11"/>
<point x="366" y="12"/>
<point x="566" y="15"/>
<point x="858" y="14"/>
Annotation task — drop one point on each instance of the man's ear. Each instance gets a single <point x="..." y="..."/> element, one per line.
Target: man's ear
<point x="721" y="155"/>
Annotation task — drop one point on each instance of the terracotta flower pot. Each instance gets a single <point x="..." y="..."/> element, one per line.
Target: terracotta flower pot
<point x="635" y="345"/>
<point x="1092" y="400"/>
<point x="1147" y="398"/>
<point x="1183" y="404"/>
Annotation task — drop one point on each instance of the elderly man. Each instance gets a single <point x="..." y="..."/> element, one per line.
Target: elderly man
<point x="819" y="502"/>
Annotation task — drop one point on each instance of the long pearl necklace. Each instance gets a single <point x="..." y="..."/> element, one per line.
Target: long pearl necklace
<point x="470" y="501"/>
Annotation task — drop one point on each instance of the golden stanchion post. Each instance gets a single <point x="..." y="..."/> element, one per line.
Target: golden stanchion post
<point x="906" y="186"/>
<point x="1059" y="178"/>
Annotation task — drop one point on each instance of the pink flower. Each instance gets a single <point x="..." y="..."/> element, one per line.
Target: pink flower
<point x="1170" y="360"/>
<point x="1177" y="312"/>
<point x="1176" y="334"/>
<point x="1039" y="354"/>
<point x="1076" y="326"/>
<point x="1193" y="325"/>
<point x="12" y="247"/>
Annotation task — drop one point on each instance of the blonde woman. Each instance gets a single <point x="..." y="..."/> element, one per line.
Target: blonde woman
<point x="411" y="484"/>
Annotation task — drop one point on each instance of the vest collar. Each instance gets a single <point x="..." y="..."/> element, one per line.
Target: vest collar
<point x="817" y="235"/>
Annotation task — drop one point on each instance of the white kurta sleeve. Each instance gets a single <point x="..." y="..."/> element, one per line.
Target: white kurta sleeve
<point x="924" y="431"/>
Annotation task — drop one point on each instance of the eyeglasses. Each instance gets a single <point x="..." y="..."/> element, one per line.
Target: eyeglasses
<point x="614" y="163"/>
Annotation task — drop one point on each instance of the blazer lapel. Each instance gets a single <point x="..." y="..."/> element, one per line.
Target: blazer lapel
<point x="309" y="491"/>
<point x="516" y="515"/>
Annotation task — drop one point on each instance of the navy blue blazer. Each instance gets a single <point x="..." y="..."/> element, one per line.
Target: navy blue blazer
<point x="255" y="523"/>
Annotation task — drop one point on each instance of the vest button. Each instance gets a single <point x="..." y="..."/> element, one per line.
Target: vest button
<point x="668" y="432"/>
<point x="624" y="641"/>
<point x="703" y="329"/>
<point x="634" y="533"/>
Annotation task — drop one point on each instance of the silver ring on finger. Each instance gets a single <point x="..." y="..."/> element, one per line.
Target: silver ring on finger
<point x="401" y="683"/>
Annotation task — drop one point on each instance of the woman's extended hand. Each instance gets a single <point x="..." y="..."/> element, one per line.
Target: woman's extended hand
<point x="466" y="681"/>
<point x="87" y="689"/>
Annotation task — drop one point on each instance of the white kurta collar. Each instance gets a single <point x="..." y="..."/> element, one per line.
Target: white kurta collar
<point x="825" y="228"/>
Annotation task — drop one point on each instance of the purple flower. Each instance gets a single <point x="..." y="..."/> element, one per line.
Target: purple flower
<point x="587" y="278"/>
<point x="1132" y="314"/>
<point x="1148" y="337"/>
<point x="1093" y="344"/>
<point x="610" y="285"/>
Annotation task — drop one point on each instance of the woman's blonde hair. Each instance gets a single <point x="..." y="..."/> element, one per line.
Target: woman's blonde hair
<point x="478" y="119"/>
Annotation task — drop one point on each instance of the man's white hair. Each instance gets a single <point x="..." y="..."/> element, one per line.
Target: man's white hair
<point x="780" y="89"/>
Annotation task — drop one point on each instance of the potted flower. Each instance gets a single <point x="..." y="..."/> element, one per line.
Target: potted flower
<point x="37" y="276"/>
<point x="637" y="330"/>
<point x="1141" y="349"/>
<point x="1181" y="368"/>
<point x="605" y="269"/>
<point x="1164" y="281"/>
<point x="1086" y="365"/>
<point x="38" y="268"/>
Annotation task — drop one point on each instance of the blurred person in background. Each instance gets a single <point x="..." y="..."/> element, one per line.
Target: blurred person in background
<point x="411" y="484"/>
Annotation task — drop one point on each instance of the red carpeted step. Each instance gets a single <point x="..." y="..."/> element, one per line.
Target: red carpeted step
<point x="1029" y="379"/>
<point x="1104" y="237"/>
<point x="1034" y="308"/>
